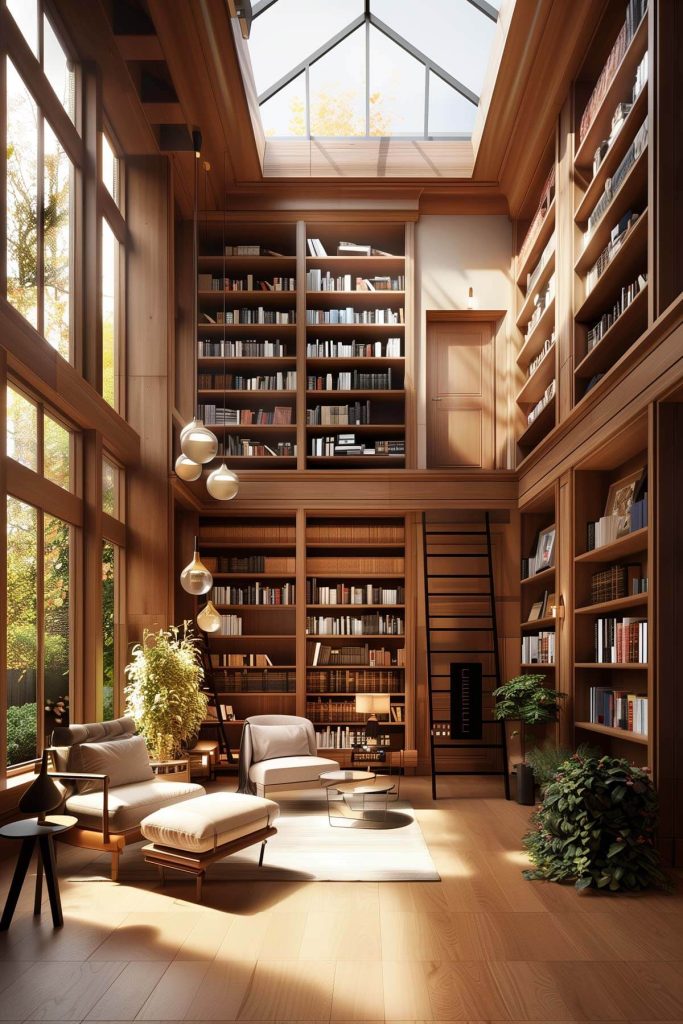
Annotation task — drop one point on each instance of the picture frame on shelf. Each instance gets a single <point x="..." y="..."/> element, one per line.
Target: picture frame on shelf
<point x="545" y="550"/>
<point x="535" y="611"/>
<point x="620" y="498"/>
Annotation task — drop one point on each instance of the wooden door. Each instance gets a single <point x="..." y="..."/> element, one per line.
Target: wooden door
<point x="460" y="395"/>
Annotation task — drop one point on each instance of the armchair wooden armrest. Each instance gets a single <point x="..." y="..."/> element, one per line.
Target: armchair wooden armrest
<point x="90" y="777"/>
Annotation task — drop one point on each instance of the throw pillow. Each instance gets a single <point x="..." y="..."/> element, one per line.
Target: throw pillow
<point x="124" y="760"/>
<point x="269" y="741"/>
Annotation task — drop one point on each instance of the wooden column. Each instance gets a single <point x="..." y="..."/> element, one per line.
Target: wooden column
<point x="91" y="708"/>
<point x="564" y="255"/>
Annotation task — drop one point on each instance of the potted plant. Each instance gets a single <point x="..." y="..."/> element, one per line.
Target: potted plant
<point x="596" y="827"/>
<point x="524" y="702"/>
<point x="546" y="761"/>
<point x="163" y="695"/>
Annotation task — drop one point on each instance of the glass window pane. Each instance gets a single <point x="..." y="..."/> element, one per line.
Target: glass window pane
<point x="25" y="13"/>
<point x="397" y="89"/>
<point x="291" y="30"/>
<point x="110" y="255"/>
<point x="57" y="294"/>
<point x="57" y="633"/>
<point x="108" y="630"/>
<point x="449" y="112"/>
<point x="57" y="447"/>
<point x="59" y="69"/>
<point x="337" y="88"/>
<point x="22" y="429"/>
<point x="22" y="631"/>
<point x="110" y="488"/>
<point x="453" y="33"/>
<point x="110" y="169"/>
<point x="22" y="198"/>
<point x="285" y="113"/>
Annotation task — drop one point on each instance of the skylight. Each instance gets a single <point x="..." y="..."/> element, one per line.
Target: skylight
<point x="370" y="68"/>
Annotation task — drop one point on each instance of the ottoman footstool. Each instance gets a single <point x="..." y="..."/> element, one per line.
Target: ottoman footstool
<point x="189" y="836"/>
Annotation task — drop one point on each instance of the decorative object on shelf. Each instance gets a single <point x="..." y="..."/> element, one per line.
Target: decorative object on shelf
<point x="372" y="704"/>
<point x="43" y="795"/>
<point x="545" y="549"/>
<point x="195" y="578"/>
<point x="163" y="694"/>
<point x="209" y="619"/>
<point x="620" y="499"/>
<point x="222" y="483"/>
<point x="597" y="827"/>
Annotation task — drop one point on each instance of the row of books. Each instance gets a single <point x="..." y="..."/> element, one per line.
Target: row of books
<point x="245" y="446"/>
<point x="620" y="232"/>
<point x="216" y="381"/>
<point x="635" y="10"/>
<point x="544" y="204"/>
<point x="248" y="283"/>
<point x="271" y="681"/>
<point x="216" y="415"/>
<point x="392" y="348"/>
<point x="626" y="297"/>
<point x="617" y="581"/>
<point x="250" y="315"/>
<point x="349" y="315"/>
<point x="334" y="415"/>
<point x="250" y="250"/>
<point x="355" y="681"/>
<point x="357" y="533"/>
<point x="618" y="709"/>
<point x="250" y="563"/>
<point x="318" y="653"/>
<point x="355" y="625"/>
<point x="231" y="625"/>
<point x="621" y="112"/>
<point x="345" y="593"/>
<point x="607" y="529"/>
<point x="620" y="641"/>
<point x="316" y="248"/>
<point x="534" y="275"/>
<point x="536" y="362"/>
<point x="541" y="301"/>
<point x="346" y="445"/>
<point x="230" y="659"/>
<point x="282" y="380"/>
<point x="238" y="349"/>
<point x="344" y="738"/>
<point x="539" y="649"/>
<point x="352" y="380"/>
<point x="317" y="281"/>
<point x="365" y="565"/>
<point x="256" y="593"/>
<point x="248" y="532"/>
<point x="548" y="396"/>
<point x="613" y="184"/>
<point x="345" y="711"/>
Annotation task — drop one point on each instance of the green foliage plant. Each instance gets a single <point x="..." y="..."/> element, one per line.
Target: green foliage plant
<point x="22" y="732"/>
<point x="596" y="827"/>
<point x="545" y="761"/>
<point x="163" y="695"/>
<point x="526" y="699"/>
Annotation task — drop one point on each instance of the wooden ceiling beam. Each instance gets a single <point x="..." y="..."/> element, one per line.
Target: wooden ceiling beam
<point x="133" y="48"/>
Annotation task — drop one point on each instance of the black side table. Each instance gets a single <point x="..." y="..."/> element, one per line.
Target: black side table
<point x="29" y="831"/>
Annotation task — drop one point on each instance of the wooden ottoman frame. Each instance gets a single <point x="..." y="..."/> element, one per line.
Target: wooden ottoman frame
<point x="164" y="857"/>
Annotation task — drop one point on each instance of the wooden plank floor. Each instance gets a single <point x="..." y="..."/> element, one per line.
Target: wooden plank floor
<point x="481" y="945"/>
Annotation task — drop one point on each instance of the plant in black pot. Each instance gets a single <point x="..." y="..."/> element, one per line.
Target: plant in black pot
<point x="596" y="827"/>
<point x="525" y="702"/>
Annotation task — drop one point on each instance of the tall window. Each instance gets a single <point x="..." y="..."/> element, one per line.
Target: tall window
<point x="109" y="627"/>
<point x="57" y="613"/>
<point x="22" y="631"/>
<point x="110" y="275"/>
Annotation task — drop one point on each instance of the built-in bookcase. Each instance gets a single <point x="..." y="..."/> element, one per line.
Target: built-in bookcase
<point x="613" y="586"/>
<point x="536" y="316"/>
<point x="539" y="591"/>
<point x="612" y="100"/>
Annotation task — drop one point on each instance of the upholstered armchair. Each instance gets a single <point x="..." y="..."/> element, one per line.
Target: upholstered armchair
<point x="109" y="785"/>
<point x="279" y="750"/>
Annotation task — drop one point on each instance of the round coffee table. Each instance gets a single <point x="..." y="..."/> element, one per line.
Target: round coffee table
<point x="346" y="775"/>
<point x="349" y="784"/>
<point x="30" y="832"/>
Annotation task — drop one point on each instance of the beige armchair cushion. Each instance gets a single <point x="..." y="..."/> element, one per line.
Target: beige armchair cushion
<point x="124" y="760"/>
<point x="282" y="770"/>
<point x="270" y="741"/>
<point x="209" y="821"/>
<point x="129" y="804"/>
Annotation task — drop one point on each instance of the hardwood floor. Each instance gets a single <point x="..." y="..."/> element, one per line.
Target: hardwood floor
<point x="481" y="945"/>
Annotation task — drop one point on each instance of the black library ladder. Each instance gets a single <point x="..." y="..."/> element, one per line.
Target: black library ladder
<point x="463" y="659"/>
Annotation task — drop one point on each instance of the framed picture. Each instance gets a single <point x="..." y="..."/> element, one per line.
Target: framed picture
<point x="545" y="552"/>
<point x="620" y="498"/>
<point x="535" y="611"/>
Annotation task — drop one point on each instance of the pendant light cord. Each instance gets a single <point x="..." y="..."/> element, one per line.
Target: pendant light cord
<point x="195" y="270"/>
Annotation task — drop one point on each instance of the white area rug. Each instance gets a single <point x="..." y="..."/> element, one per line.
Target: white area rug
<point x="307" y="848"/>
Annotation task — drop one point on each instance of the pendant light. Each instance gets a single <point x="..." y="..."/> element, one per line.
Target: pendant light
<point x="195" y="577"/>
<point x="186" y="469"/>
<point x="197" y="442"/>
<point x="208" y="619"/>
<point x="222" y="483"/>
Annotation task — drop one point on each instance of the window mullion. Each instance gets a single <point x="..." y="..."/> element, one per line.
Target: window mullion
<point x="40" y="225"/>
<point x="40" y="630"/>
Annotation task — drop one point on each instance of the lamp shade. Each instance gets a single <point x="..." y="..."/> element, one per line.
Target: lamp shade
<point x="43" y="795"/>
<point x="195" y="577"/>
<point x="186" y="469"/>
<point x="197" y="442"/>
<point x="222" y="483"/>
<point x="373" y="703"/>
<point x="208" y="619"/>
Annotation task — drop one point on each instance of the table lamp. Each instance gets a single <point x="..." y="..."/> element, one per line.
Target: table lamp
<point x="43" y="795"/>
<point x="372" y="704"/>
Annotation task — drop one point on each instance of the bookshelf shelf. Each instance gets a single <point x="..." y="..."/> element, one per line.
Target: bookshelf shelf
<point x="629" y="544"/>
<point x="540" y="577"/>
<point x="629" y="666"/>
<point x="259" y="264"/>
<point x="233" y="298"/>
<point x="381" y="297"/>
<point x="619" y="89"/>
<point x="276" y="362"/>
<point x="255" y="668"/>
<point x="373" y="395"/>
<point x="618" y="604"/>
<point x="357" y="262"/>
<point x="530" y="625"/>
<point x="606" y="730"/>
<point x="538" y="665"/>
<point x="633" y="192"/>
<point x="353" y="362"/>
<point x="535" y="341"/>
<point x="535" y="385"/>
<point x="625" y="330"/>
<point x="539" y="243"/>
<point x="538" y="285"/>
<point x="381" y="429"/>
<point x="256" y="607"/>
<point x="391" y="637"/>
<point x="626" y="264"/>
<point x="230" y="329"/>
<point x="542" y="425"/>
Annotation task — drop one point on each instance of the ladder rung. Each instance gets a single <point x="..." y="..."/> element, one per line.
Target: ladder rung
<point x="459" y="593"/>
<point x="493" y="771"/>
<point x="447" y="675"/>
<point x="457" y="575"/>
<point x="458" y="554"/>
<point x="484" y="721"/>
<point x="463" y="650"/>
<point x="455" y="533"/>
<point x="456" y="615"/>
<point x="467" y="746"/>
<point x="458" y="629"/>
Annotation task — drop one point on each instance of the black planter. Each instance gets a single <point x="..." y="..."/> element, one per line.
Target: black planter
<point x="525" y="784"/>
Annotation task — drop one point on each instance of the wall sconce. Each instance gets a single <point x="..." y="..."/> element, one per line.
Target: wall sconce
<point x="470" y="298"/>
<point x="557" y="610"/>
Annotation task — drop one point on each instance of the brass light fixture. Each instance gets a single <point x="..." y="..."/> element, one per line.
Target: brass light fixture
<point x="195" y="577"/>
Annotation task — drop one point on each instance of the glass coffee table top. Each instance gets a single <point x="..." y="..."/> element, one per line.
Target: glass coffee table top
<point x="347" y="775"/>
<point x="376" y="787"/>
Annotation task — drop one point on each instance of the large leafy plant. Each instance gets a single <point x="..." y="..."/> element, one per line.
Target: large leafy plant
<point x="526" y="698"/>
<point x="596" y="827"/>
<point x="163" y="696"/>
<point x="545" y="761"/>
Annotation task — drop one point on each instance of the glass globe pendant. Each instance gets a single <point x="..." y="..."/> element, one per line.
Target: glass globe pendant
<point x="222" y="483"/>
<point x="186" y="469"/>
<point x="208" y="619"/>
<point x="195" y="577"/>
<point x="197" y="442"/>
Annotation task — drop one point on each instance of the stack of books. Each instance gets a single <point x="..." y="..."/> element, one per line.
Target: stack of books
<point x="620" y="641"/>
<point x="618" y="709"/>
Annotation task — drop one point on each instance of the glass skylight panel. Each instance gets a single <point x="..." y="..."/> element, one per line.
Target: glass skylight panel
<point x="285" y="113"/>
<point x="25" y="13"/>
<point x="59" y="69"/>
<point x="397" y="89"/>
<point x="337" y="89"/>
<point x="291" y="30"/>
<point x="449" y="112"/>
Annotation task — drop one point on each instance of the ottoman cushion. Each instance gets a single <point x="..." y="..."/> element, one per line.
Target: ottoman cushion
<point x="128" y="805"/>
<point x="283" y="770"/>
<point x="208" y="822"/>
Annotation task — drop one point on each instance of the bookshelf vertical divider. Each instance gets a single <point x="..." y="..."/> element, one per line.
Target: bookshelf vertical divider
<point x="409" y="351"/>
<point x="301" y="433"/>
<point x="301" y="612"/>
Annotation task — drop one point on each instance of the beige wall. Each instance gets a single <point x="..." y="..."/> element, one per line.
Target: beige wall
<point x="453" y="254"/>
